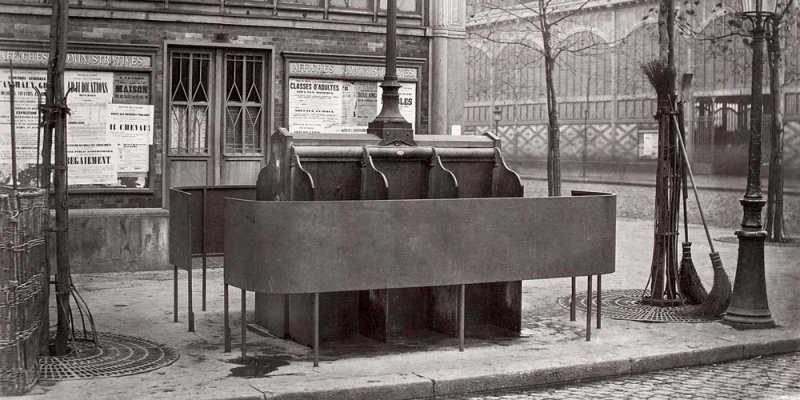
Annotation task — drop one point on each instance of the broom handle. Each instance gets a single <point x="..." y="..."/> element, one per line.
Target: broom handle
<point x="694" y="187"/>
<point x="685" y="185"/>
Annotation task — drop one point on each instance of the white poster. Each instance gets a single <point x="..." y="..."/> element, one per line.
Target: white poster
<point x="86" y="123"/>
<point x="315" y="106"/>
<point x="92" y="164"/>
<point x="25" y="116"/>
<point x="88" y="94"/>
<point x="89" y="86"/>
<point x="133" y="158"/>
<point x="130" y="123"/>
<point x="407" y="104"/>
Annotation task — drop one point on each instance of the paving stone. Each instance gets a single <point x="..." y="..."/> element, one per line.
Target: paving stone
<point x="775" y="377"/>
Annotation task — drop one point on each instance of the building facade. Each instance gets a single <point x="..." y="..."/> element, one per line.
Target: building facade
<point x="606" y="106"/>
<point x="187" y="92"/>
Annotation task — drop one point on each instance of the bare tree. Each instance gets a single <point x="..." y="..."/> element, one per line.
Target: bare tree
<point x="779" y="38"/>
<point x="778" y="35"/>
<point x="533" y="20"/>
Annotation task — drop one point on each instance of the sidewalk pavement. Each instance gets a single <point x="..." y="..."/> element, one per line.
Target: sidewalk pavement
<point x="551" y="349"/>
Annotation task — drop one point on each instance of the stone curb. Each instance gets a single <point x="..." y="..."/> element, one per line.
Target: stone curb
<point x="510" y="380"/>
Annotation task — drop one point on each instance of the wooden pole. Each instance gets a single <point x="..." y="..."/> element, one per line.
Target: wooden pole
<point x="60" y="184"/>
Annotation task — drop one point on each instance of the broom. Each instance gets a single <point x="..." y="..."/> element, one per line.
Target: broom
<point x="661" y="76"/>
<point x="689" y="283"/>
<point x="720" y="296"/>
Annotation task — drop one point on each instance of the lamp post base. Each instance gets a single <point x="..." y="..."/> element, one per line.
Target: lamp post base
<point x="749" y="308"/>
<point x="740" y="318"/>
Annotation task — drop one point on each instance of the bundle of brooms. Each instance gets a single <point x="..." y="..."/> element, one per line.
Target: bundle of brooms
<point x="662" y="76"/>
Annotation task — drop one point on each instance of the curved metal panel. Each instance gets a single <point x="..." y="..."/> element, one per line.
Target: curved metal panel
<point x="308" y="247"/>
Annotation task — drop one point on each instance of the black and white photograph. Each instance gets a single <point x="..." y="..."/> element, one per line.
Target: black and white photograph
<point x="400" y="199"/>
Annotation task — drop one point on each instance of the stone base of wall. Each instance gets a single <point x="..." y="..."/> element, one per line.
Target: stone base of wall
<point x="116" y="240"/>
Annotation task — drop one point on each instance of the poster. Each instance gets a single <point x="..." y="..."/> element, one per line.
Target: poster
<point x="330" y="106"/>
<point x="86" y="123"/>
<point x="648" y="145"/>
<point x="109" y="128"/>
<point x="94" y="87"/>
<point x="131" y="88"/>
<point x="130" y="123"/>
<point x="315" y="106"/>
<point x="89" y="92"/>
<point x="92" y="164"/>
<point x="25" y="115"/>
<point x="358" y="106"/>
<point x="133" y="158"/>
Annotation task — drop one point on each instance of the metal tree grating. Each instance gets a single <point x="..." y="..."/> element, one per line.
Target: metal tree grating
<point x="625" y="304"/>
<point x="114" y="355"/>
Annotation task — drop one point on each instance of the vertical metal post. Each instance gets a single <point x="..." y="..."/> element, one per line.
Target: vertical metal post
<point x="589" y="308"/>
<point x="244" y="324"/>
<point x="389" y="124"/>
<point x="203" y="244"/>
<point x="461" y="309"/>
<point x="572" y="301"/>
<point x="599" y="300"/>
<point x="749" y="307"/>
<point x="316" y="329"/>
<point x="175" y="293"/>
<point x="226" y="319"/>
<point x="203" y="308"/>
<point x="189" y="295"/>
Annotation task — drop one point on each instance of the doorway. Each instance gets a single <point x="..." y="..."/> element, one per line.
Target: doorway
<point x="217" y="115"/>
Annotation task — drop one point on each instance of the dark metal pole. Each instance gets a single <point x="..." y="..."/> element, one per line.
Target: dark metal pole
<point x="749" y="307"/>
<point x="390" y="125"/>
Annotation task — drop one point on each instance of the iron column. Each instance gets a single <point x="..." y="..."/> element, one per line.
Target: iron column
<point x="749" y="307"/>
<point x="390" y="125"/>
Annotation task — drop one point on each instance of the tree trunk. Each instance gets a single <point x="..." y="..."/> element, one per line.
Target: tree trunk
<point x="777" y="69"/>
<point x="553" y="128"/>
<point x="63" y="287"/>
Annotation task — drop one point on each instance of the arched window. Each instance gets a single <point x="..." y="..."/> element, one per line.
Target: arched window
<point x="478" y="74"/>
<point x="584" y="66"/>
<point x="638" y="47"/>
<point x="723" y="57"/>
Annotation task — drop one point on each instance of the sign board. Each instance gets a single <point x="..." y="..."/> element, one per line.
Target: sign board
<point x="76" y="60"/>
<point x="648" y="145"/>
<point x="109" y="127"/>
<point x="337" y="106"/>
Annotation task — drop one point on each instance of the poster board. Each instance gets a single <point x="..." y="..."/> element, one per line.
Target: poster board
<point x="335" y="97"/>
<point x="110" y="126"/>
<point x="341" y="106"/>
<point x="648" y="145"/>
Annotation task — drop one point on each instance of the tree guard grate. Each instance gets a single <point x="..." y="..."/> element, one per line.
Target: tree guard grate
<point x="625" y="304"/>
<point x="115" y="355"/>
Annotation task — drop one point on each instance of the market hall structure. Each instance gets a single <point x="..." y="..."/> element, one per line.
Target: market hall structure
<point x="186" y="93"/>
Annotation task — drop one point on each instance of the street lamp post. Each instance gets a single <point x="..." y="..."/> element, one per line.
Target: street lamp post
<point x="389" y="125"/>
<point x="749" y="307"/>
<point x="498" y="115"/>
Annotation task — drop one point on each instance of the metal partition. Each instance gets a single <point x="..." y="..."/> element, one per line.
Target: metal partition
<point x="196" y="218"/>
<point x="428" y="245"/>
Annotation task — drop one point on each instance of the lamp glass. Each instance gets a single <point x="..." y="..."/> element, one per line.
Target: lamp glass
<point x="498" y="115"/>
<point x="765" y="7"/>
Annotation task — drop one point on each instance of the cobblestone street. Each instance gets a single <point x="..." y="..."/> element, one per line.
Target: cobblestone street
<point x="770" y="378"/>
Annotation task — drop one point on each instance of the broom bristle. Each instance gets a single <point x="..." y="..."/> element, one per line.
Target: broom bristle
<point x="660" y="75"/>
<point x="689" y="283"/>
<point x="720" y="296"/>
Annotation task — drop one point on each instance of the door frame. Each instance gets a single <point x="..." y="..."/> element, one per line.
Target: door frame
<point x="217" y="155"/>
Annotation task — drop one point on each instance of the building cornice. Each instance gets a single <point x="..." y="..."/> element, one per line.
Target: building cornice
<point x="179" y="16"/>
